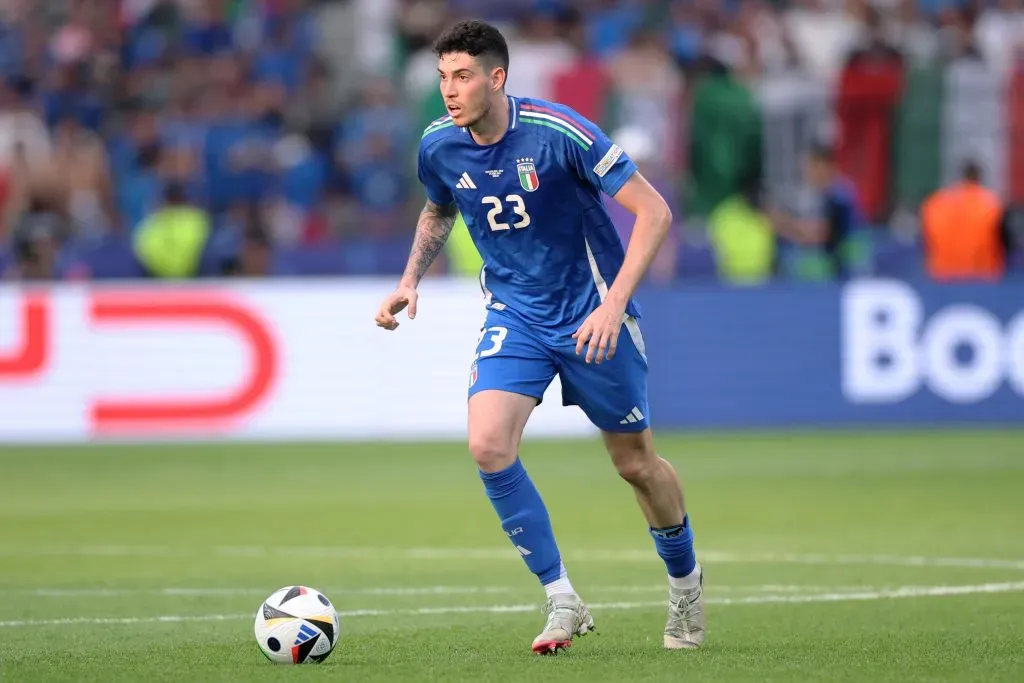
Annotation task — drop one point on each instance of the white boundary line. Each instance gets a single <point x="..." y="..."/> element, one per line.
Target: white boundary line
<point x="502" y="554"/>
<point x="86" y="592"/>
<point x="232" y="592"/>
<point x="896" y="593"/>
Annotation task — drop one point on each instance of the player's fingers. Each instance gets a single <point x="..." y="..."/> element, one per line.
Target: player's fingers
<point x="397" y="305"/>
<point x="582" y="335"/>
<point x="602" y="347"/>
<point x="592" y="347"/>
<point x="412" y="306"/>
<point x="613" y="344"/>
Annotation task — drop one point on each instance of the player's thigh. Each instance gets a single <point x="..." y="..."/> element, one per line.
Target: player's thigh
<point x="510" y="373"/>
<point x="613" y="394"/>
<point x="496" y="422"/>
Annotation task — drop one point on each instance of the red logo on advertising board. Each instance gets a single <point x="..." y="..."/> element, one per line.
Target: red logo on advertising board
<point x="32" y="353"/>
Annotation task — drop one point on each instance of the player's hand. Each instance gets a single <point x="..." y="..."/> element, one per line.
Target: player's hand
<point x="394" y="304"/>
<point x="600" y="332"/>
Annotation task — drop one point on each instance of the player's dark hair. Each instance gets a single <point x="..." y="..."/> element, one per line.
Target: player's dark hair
<point x="477" y="39"/>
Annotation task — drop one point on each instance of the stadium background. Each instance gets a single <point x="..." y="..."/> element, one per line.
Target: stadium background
<point x="265" y="152"/>
<point x="196" y="407"/>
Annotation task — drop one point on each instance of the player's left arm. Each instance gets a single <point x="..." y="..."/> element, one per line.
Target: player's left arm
<point x="600" y="331"/>
<point x="653" y="221"/>
<point x="606" y="167"/>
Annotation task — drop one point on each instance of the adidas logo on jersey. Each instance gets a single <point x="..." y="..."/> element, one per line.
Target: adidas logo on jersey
<point x="634" y="416"/>
<point x="465" y="183"/>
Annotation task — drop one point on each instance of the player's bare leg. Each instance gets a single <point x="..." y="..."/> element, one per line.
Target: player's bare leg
<point x="660" y="496"/>
<point x="496" y="423"/>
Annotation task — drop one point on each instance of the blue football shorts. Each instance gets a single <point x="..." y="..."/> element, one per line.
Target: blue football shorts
<point x="613" y="394"/>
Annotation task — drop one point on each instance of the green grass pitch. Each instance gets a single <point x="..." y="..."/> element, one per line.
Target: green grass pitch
<point x="828" y="556"/>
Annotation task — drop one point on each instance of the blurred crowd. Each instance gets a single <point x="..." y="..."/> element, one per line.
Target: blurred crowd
<point x="801" y="140"/>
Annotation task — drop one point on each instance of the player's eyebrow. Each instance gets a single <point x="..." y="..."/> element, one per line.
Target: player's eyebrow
<point x="457" y="71"/>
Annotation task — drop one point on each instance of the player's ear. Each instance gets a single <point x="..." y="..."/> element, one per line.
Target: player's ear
<point x="498" y="78"/>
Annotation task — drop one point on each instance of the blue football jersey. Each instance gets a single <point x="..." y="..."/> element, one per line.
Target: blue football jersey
<point x="532" y="203"/>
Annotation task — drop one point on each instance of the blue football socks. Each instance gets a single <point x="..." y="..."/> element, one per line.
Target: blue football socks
<point x="525" y="520"/>
<point x="675" y="546"/>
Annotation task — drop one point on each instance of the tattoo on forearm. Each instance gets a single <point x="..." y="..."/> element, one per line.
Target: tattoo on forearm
<point x="432" y="230"/>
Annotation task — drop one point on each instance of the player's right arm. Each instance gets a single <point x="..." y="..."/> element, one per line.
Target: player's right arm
<point x="432" y="230"/>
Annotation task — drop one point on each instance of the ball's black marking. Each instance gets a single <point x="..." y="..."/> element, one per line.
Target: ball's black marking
<point x="295" y="592"/>
<point x="323" y="599"/>
<point x="273" y="644"/>
<point x="270" y="612"/>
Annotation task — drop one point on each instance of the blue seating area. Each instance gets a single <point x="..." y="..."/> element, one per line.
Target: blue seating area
<point x="112" y="258"/>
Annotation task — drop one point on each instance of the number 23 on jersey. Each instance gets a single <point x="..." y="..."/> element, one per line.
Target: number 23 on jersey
<point x="499" y="207"/>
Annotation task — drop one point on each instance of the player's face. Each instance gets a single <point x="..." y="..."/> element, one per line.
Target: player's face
<point x="467" y="87"/>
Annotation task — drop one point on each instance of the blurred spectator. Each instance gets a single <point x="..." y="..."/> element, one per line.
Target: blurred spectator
<point x="868" y="93"/>
<point x="999" y="34"/>
<point x="170" y="242"/>
<point x="726" y="143"/>
<point x="743" y="241"/>
<point x="648" y="90"/>
<point x="255" y="256"/>
<point x="1014" y="142"/>
<point x="823" y="35"/>
<point x="301" y="178"/>
<point x="21" y="125"/>
<point x="69" y="92"/>
<point x="314" y="109"/>
<point x="38" y="249"/>
<point x="108" y="107"/>
<point x="833" y="219"/>
<point x="581" y="82"/>
<point x="611" y="24"/>
<point x="913" y="32"/>
<point x="965" y="234"/>
<point x="370" y="154"/>
<point x="80" y="176"/>
<point x="687" y="32"/>
<point x="538" y="51"/>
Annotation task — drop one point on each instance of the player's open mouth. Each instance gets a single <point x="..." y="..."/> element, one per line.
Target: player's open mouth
<point x="454" y="110"/>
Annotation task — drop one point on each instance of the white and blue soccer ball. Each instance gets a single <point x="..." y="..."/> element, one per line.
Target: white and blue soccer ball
<point x="297" y="625"/>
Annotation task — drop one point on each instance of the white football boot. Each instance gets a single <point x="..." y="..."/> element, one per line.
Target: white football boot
<point x="686" y="622"/>
<point x="567" y="617"/>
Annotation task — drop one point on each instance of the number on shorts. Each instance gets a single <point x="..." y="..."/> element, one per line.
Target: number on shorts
<point x="498" y="335"/>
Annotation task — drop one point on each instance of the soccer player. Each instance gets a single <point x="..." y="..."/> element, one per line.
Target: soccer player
<point x="527" y="176"/>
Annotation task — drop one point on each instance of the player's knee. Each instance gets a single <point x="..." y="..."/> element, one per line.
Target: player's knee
<point x="491" y="453"/>
<point x="636" y="470"/>
<point x="634" y="460"/>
